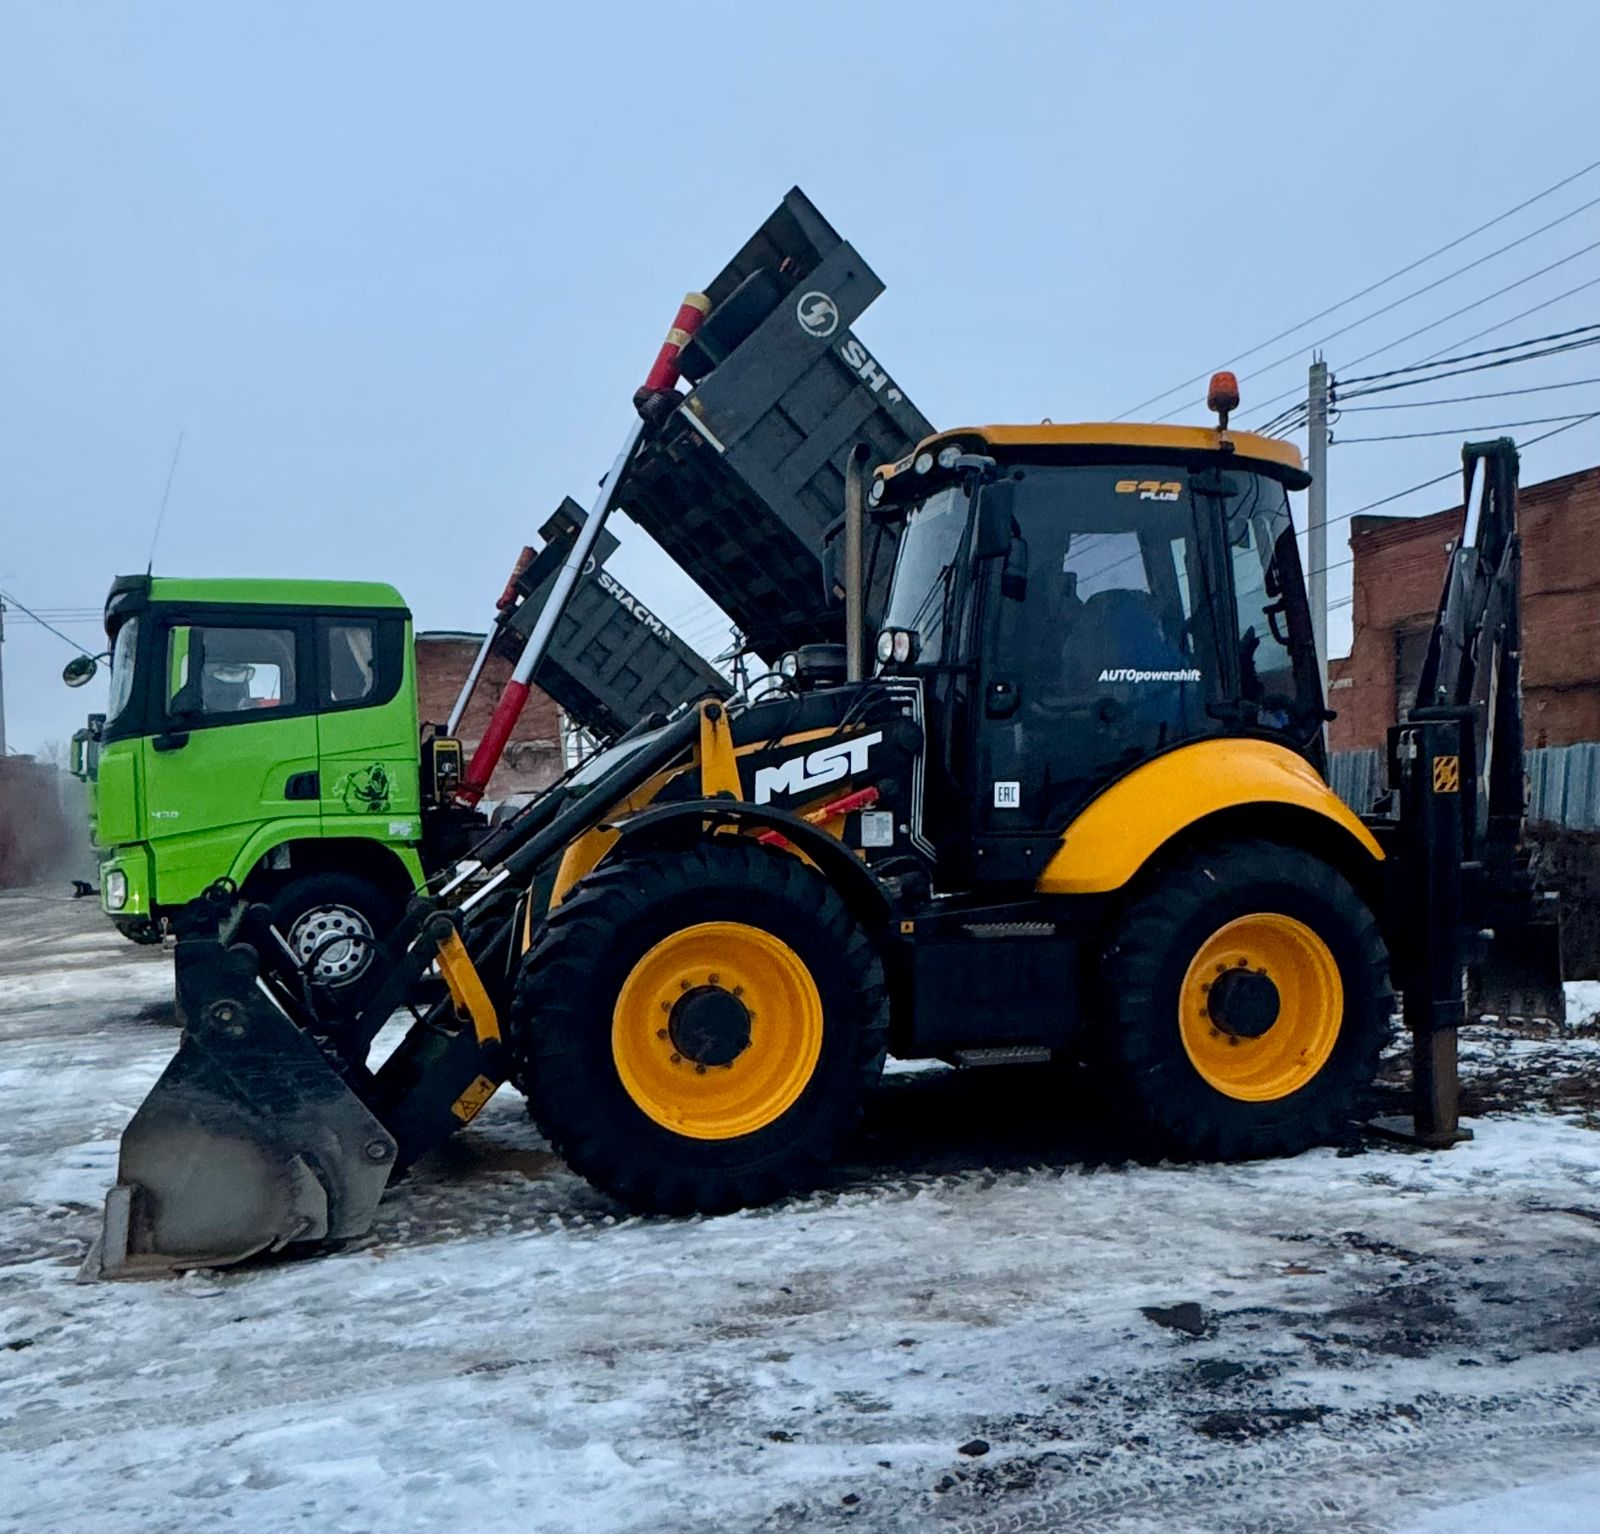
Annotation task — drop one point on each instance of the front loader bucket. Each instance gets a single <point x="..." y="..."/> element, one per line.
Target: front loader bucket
<point x="250" y="1140"/>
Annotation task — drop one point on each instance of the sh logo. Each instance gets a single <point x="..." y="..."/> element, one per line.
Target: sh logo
<point x="825" y="765"/>
<point x="818" y="314"/>
<point x="859" y="360"/>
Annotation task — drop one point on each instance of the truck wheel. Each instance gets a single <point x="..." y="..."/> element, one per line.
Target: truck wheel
<point x="1246" y="999"/>
<point x="695" y="1029"/>
<point x="334" y="922"/>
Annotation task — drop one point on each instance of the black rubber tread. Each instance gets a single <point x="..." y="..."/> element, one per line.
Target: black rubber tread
<point x="1136" y="1041"/>
<point x="560" y="1025"/>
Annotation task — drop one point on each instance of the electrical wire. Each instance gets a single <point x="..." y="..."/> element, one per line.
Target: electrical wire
<point x="1345" y="389"/>
<point x="1488" y="351"/>
<point x="1461" y="431"/>
<point x="1521" y="314"/>
<point x="1477" y="303"/>
<point x="1438" y="479"/>
<point x="6" y="596"/>
<point x="1464" y="399"/>
<point x="1393" y="276"/>
<point x="1333" y="335"/>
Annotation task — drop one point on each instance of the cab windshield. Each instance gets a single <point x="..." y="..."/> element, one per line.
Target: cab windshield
<point x="924" y="570"/>
<point x="122" y="654"/>
<point x="1277" y="658"/>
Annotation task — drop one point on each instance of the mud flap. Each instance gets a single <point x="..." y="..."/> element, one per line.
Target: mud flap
<point x="250" y="1141"/>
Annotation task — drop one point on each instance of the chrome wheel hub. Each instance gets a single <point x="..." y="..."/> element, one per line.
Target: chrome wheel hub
<point x="335" y="941"/>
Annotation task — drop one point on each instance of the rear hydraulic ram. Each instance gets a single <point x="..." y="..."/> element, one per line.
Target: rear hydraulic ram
<point x="501" y="723"/>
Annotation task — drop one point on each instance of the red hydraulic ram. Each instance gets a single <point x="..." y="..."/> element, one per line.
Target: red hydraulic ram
<point x="662" y="379"/>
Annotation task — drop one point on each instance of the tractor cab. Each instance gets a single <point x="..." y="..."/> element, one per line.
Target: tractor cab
<point x="1079" y="599"/>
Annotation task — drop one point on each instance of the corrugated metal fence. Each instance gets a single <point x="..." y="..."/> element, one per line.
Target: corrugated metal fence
<point x="1563" y="783"/>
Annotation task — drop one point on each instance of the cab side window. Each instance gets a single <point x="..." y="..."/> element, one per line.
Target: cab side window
<point x="352" y="673"/>
<point x="217" y="670"/>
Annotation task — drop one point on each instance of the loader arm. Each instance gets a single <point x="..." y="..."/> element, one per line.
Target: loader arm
<point x="268" y="1129"/>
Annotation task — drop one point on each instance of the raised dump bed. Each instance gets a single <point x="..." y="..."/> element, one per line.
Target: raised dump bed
<point x="745" y="475"/>
<point x="611" y="660"/>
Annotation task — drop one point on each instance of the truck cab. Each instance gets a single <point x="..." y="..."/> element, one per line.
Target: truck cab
<point x="266" y="732"/>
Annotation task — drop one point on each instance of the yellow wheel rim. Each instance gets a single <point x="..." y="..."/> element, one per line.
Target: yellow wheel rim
<point x="1224" y="1001"/>
<point x="717" y="1030"/>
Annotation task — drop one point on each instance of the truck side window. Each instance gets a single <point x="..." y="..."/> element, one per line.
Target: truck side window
<point x="352" y="673"/>
<point x="225" y="670"/>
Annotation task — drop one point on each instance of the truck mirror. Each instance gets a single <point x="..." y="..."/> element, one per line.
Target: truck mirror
<point x="79" y="670"/>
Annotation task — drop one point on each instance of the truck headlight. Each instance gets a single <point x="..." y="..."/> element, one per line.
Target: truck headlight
<point x="116" y="889"/>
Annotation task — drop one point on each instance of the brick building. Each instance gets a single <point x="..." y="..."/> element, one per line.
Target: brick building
<point x="532" y="758"/>
<point x="1399" y="569"/>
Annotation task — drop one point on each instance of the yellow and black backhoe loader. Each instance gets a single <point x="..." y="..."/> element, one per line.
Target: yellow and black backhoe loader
<point x="1074" y="807"/>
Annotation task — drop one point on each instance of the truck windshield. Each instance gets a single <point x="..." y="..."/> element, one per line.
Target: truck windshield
<point x="925" y="563"/>
<point x="122" y="655"/>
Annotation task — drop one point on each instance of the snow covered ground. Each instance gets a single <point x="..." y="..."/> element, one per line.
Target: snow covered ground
<point x="988" y="1324"/>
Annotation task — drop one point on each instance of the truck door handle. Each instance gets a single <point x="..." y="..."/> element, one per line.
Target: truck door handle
<point x="302" y="785"/>
<point x="173" y="740"/>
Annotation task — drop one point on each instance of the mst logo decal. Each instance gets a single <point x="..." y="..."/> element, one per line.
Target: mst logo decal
<point x="827" y="764"/>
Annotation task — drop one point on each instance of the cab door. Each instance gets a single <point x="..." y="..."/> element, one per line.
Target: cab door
<point x="235" y="744"/>
<point x="367" y="727"/>
<point x="1098" y="649"/>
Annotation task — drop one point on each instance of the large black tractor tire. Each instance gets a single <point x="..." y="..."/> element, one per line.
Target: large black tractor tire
<point x="312" y="911"/>
<point x="1244" y="1003"/>
<point x="695" y="1029"/>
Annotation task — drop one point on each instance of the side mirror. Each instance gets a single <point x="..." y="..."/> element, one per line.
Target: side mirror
<point x="1014" y="572"/>
<point x="79" y="670"/>
<point x="996" y="526"/>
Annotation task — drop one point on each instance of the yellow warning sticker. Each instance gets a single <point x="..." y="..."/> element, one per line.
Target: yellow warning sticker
<point x="468" y="1106"/>
<point x="1447" y="774"/>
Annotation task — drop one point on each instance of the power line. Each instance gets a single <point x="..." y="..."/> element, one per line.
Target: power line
<point x="1488" y="351"/>
<point x="1333" y="335"/>
<point x="1463" y="399"/>
<point x="1373" y="287"/>
<point x="7" y="596"/>
<point x="1349" y="388"/>
<point x="1438" y="479"/>
<point x="1477" y="303"/>
<point x="1459" y="431"/>
<point x="1512" y="319"/>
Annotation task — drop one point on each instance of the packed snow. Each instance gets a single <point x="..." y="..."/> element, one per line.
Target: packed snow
<point x="988" y="1323"/>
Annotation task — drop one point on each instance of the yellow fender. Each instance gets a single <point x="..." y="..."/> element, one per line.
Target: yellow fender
<point x="1118" y="833"/>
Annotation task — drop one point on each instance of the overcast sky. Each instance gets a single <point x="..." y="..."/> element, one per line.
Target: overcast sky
<point x="395" y="269"/>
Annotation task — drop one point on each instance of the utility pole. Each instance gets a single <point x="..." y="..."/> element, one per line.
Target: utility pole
<point x="1317" y="513"/>
<point x="2" y="677"/>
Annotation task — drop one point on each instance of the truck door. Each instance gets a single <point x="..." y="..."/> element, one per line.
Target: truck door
<point x="367" y="727"/>
<point x="1098" y="649"/>
<point x="234" y="744"/>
